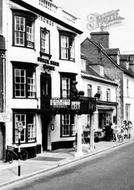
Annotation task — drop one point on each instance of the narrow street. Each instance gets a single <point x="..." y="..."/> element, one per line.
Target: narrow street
<point x="111" y="171"/>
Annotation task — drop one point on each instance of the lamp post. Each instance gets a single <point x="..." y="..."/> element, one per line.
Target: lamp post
<point x="20" y="128"/>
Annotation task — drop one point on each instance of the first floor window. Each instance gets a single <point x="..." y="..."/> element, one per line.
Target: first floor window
<point x="99" y="91"/>
<point x="67" y="125"/>
<point x="27" y="121"/>
<point x="108" y="94"/>
<point x="24" y="83"/>
<point x="67" y="48"/>
<point x="45" y="41"/>
<point x="65" y="87"/>
<point x="23" y="32"/>
<point x="89" y="90"/>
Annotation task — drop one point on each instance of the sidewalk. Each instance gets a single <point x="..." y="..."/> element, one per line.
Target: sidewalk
<point x="47" y="161"/>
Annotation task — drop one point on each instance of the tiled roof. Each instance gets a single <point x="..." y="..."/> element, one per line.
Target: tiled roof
<point x="112" y="51"/>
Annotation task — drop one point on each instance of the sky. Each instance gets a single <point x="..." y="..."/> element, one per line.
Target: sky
<point x="121" y="35"/>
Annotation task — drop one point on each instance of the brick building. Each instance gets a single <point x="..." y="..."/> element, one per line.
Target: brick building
<point x="101" y="56"/>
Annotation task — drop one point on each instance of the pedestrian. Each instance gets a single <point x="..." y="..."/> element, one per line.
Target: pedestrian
<point x="129" y="126"/>
<point x="125" y="128"/>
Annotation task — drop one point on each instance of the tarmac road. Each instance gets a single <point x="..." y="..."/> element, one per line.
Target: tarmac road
<point x="112" y="171"/>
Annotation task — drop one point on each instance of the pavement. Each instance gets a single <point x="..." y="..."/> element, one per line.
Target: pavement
<point x="50" y="160"/>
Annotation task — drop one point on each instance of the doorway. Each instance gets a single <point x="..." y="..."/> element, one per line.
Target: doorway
<point x="45" y="104"/>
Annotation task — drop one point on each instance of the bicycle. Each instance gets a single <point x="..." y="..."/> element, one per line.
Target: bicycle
<point x="11" y="154"/>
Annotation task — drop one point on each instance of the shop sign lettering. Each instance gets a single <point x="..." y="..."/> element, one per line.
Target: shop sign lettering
<point x="59" y="103"/>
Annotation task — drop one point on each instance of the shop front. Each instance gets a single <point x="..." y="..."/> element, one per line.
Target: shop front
<point x="69" y="113"/>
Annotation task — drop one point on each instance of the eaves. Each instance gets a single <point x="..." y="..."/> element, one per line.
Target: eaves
<point x="48" y="16"/>
<point x="98" y="79"/>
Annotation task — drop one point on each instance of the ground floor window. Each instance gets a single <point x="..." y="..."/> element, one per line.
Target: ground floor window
<point x="67" y="125"/>
<point x="104" y="118"/>
<point x="28" y="133"/>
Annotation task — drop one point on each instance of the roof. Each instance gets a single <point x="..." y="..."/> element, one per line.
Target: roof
<point x="112" y="51"/>
<point x="92" y="73"/>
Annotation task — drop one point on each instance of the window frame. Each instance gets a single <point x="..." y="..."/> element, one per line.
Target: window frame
<point x="29" y="19"/>
<point x="49" y="48"/>
<point x="89" y="89"/>
<point x="71" y="39"/>
<point x="69" y="126"/>
<point x="71" y="77"/>
<point x="27" y="86"/>
<point x="108" y="94"/>
<point x="99" y="90"/>
<point x="24" y="117"/>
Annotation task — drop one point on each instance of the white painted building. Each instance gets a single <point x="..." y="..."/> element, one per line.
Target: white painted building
<point x="94" y="83"/>
<point x="42" y="63"/>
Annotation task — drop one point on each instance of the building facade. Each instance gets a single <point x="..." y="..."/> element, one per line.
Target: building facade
<point x="42" y="68"/>
<point x="116" y="67"/>
<point x="97" y="84"/>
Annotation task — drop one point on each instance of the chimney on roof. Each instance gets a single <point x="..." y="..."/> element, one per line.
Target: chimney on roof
<point x="101" y="37"/>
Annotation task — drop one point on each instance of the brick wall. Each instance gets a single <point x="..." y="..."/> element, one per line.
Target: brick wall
<point x="101" y="38"/>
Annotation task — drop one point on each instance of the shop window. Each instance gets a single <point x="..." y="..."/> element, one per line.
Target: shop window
<point x="67" y="48"/>
<point x="45" y="41"/>
<point x="67" y="125"/>
<point x="23" y="31"/>
<point x="24" y="83"/>
<point x="27" y="120"/>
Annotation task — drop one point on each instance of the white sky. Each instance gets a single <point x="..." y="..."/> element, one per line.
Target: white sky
<point x="121" y="36"/>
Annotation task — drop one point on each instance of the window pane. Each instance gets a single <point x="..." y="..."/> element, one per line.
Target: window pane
<point x="20" y="83"/>
<point x="19" y="30"/>
<point x="28" y="122"/>
<point x="20" y="118"/>
<point x="64" y="47"/>
<point x="65" y="87"/>
<point x="30" y="36"/>
<point x="67" y="49"/>
<point x="45" y="44"/>
<point x="67" y="125"/>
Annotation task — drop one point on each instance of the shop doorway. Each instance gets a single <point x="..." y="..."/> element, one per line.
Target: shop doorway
<point x="45" y="104"/>
<point x="2" y="141"/>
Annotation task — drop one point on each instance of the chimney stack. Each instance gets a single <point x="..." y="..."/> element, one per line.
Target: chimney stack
<point x="101" y="38"/>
